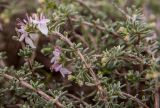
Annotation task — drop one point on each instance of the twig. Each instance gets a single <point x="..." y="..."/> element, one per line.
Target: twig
<point x="38" y="91"/>
<point x="87" y="65"/>
<point x="78" y="99"/>
<point x="81" y="38"/>
<point x="27" y="59"/>
<point x="122" y="11"/>
<point x="100" y="28"/>
<point x="135" y="99"/>
<point x="27" y="85"/>
<point x="90" y="24"/>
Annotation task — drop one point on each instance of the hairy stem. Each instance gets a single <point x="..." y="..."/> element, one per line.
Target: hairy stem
<point x="28" y="86"/>
<point x="97" y="82"/>
<point x="135" y="99"/>
<point x="38" y="91"/>
<point x="115" y="35"/>
<point x="87" y="65"/>
<point x="78" y="99"/>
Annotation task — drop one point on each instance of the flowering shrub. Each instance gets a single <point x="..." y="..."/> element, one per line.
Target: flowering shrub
<point x="83" y="54"/>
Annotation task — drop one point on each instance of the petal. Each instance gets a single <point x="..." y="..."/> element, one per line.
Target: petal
<point x="30" y="42"/>
<point x="43" y="28"/>
<point x="63" y="75"/>
<point x="53" y="60"/>
<point x="22" y="37"/>
<point x="24" y="21"/>
<point x="57" y="67"/>
<point x="33" y="36"/>
<point x="64" y="71"/>
<point x="21" y="30"/>
<point x="44" y="21"/>
<point x="35" y="21"/>
<point x="30" y="19"/>
<point x="56" y="52"/>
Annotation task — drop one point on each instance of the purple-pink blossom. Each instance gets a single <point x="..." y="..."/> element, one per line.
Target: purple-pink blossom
<point x="41" y="23"/>
<point x="59" y="68"/>
<point x="25" y="22"/>
<point x="24" y="35"/>
<point x="56" y="66"/>
<point x="56" y="55"/>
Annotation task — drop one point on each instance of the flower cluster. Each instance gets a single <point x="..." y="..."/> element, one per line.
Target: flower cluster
<point x="56" y="66"/>
<point x="25" y="35"/>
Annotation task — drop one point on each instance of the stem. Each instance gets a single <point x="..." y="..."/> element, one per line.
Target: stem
<point x="122" y="11"/>
<point x="38" y="91"/>
<point x="135" y="99"/>
<point x="78" y="99"/>
<point x="27" y="59"/>
<point x="87" y="65"/>
<point x="27" y="85"/>
<point x="100" y="28"/>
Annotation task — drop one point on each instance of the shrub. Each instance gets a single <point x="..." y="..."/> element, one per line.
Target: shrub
<point x="83" y="54"/>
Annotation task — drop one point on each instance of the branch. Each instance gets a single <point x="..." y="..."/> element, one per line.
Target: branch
<point x="78" y="99"/>
<point x="38" y="91"/>
<point x="26" y="85"/>
<point x="135" y="99"/>
<point x="123" y="12"/>
<point x="27" y="59"/>
<point x="97" y="82"/>
<point x="99" y="28"/>
<point x="87" y="65"/>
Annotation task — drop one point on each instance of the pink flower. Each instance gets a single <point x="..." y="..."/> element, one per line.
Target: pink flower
<point x="41" y="23"/>
<point x="25" y="22"/>
<point x="55" y="63"/>
<point x="56" y="55"/>
<point x="26" y="37"/>
<point x="59" y="68"/>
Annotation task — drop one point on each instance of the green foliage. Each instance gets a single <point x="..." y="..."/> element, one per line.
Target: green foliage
<point x="26" y="52"/>
<point x="96" y="54"/>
